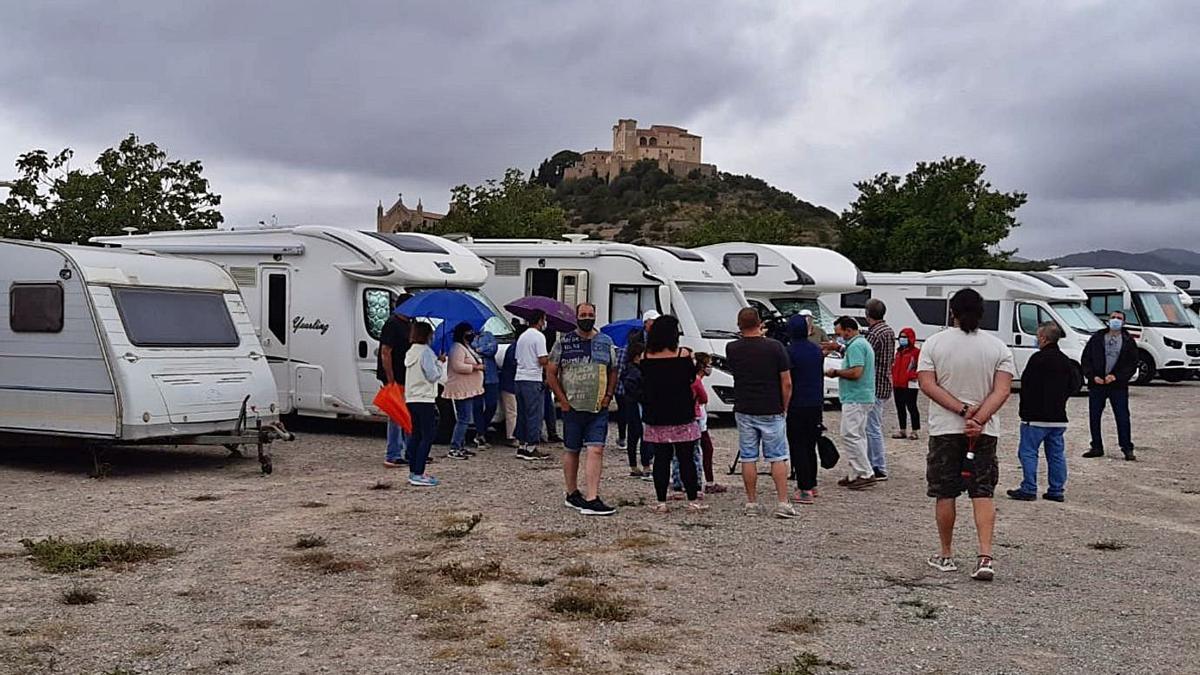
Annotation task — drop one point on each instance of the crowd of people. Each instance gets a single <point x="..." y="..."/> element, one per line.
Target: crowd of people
<point x="660" y="400"/>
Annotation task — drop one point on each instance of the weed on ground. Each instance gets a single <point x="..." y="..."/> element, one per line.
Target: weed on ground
<point x="255" y="624"/>
<point x="797" y="625"/>
<point x="79" y="595"/>
<point x="445" y="605"/>
<point x="558" y="653"/>
<point x="309" y="541"/>
<point x="313" y="505"/>
<point x="459" y="525"/>
<point x="206" y="498"/>
<point x="807" y="663"/>
<point x="329" y="563"/>
<point x="58" y="555"/>
<point x="381" y="485"/>
<point x="577" y="570"/>
<point x="1108" y="545"/>
<point x="588" y="600"/>
<point x="924" y="610"/>
<point x="642" y="644"/>
<point x="475" y="574"/>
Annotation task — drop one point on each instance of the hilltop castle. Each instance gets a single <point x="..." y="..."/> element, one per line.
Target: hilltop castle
<point x="675" y="150"/>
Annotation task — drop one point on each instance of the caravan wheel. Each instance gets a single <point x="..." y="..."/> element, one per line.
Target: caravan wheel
<point x="1145" y="370"/>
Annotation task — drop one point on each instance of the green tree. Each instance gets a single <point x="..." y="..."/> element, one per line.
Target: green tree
<point x="940" y="216"/>
<point x="550" y="172"/>
<point x="510" y="207"/>
<point x="132" y="185"/>
<point x="767" y="227"/>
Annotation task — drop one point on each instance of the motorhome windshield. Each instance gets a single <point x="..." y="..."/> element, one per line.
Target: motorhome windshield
<point x="789" y="307"/>
<point x="715" y="308"/>
<point x="1161" y="309"/>
<point x="1078" y="317"/>
<point x="168" y="318"/>
<point x="496" y="325"/>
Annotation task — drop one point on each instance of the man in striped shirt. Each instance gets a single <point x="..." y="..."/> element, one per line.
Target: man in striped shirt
<point x="883" y="342"/>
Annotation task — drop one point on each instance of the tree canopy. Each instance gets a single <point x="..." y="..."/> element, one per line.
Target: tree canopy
<point x="131" y="185"/>
<point x="510" y="207"/>
<point x="941" y="215"/>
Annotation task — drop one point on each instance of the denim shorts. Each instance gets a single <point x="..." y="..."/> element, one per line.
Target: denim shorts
<point x="767" y="431"/>
<point x="584" y="429"/>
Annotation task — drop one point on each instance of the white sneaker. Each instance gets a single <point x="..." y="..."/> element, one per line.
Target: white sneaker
<point x="751" y="509"/>
<point x="941" y="564"/>
<point x="785" y="510"/>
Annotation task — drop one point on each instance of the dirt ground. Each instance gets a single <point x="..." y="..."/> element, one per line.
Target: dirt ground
<point x="534" y="587"/>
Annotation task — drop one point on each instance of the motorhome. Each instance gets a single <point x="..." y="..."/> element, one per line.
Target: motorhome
<point x="784" y="280"/>
<point x="624" y="281"/>
<point x="1167" y="338"/>
<point x="1015" y="303"/>
<point x="117" y="347"/>
<point x="1189" y="288"/>
<point x="319" y="297"/>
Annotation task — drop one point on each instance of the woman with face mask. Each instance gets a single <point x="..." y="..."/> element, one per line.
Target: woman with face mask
<point x="904" y="383"/>
<point x="464" y="386"/>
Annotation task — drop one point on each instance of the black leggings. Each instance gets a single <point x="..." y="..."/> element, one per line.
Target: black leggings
<point x="906" y="401"/>
<point x="683" y="451"/>
<point x="633" y="431"/>
<point x="803" y="430"/>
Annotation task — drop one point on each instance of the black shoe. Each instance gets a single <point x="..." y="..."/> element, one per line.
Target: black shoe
<point x="575" y="501"/>
<point x="555" y="438"/>
<point x="596" y="508"/>
<point x="526" y="454"/>
<point x="1021" y="496"/>
<point x="880" y="474"/>
<point x="1094" y="453"/>
<point x="1054" y="498"/>
<point x="1130" y="457"/>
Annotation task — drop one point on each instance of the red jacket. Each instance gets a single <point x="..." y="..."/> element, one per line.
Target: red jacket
<point x="904" y="369"/>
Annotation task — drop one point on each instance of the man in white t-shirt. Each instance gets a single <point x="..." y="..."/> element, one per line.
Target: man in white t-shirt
<point x="532" y="357"/>
<point x="967" y="374"/>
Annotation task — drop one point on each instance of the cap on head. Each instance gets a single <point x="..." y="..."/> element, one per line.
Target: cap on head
<point x="806" y="312"/>
<point x="650" y="315"/>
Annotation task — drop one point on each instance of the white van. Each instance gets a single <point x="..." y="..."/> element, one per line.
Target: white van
<point x="784" y="280"/>
<point x="1168" y="341"/>
<point x="1014" y="304"/>
<point x="623" y="281"/>
<point x="319" y="297"/>
<point x="116" y="347"/>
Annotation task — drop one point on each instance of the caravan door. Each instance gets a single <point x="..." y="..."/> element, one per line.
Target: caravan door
<point x="374" y="304"/>
<point x="1027" y="316"/>
<point x="275" y="311"/>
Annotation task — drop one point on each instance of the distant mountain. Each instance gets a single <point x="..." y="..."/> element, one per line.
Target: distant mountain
<point x="1163" y="260"/>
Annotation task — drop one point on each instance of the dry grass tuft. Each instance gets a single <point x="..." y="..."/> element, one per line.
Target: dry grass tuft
<point x="797" y="625"/>
<point x="449" y="631"/>
<point x="80" y="595"/>
<point x="313" y="505"/>
<point x="446" y="654"/>
<point x="459" y="525"/>
<point x="358" y="508"/>
<point x="1108" y="545"/>
<point x="329" y="563"/>
<point x="924" y="609"/>
<point x="309" y="541"/>
<point x="589" y="600"/>
<point x="558" y="653"/>
<point x="496" y="642"/>
<point x="206" y="498"/>
<point x="256" y="624"/>
<point x="577" y="570"/>
<point x="807" y="663"/>
<point x="642" y="644"/>
<point x="638" y="541"/>
<point x="56" y="555"/>
<point x="381" y="485"/>
<point x="550" y="537"/>
<point x="446" y="605"/>
<point x="475" y="574"/>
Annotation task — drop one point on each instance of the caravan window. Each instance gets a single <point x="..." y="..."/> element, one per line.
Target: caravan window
<point x="856" y="300"/>
<point x="929" y="311"/>
<point x="170" y="318"/>
<point x="629" y="302"/>
<point x="277" y="300"/>
<point x="377" y="303"/>
<point x="35" y="308"/>
<point x="1029" y="317"/>
<point x="741" y="264"/>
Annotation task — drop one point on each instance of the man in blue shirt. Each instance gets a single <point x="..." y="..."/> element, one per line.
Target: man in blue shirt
<point x="804" y="409"/>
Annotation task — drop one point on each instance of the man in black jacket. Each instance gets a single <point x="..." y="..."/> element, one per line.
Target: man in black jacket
<point x="1047" y="382"/>
<point x="1110" y="361"/>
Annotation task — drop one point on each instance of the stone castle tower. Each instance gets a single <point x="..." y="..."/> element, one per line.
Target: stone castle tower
<point x="675" y="150"/>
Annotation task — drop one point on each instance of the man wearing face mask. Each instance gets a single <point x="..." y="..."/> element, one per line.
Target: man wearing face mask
<point x="1109" y="363"/>
<point x="856" y="390"/>
<point x="582" y="374"/>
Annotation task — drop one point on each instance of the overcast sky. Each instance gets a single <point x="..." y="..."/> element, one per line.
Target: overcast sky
<point x="314" y="111"/>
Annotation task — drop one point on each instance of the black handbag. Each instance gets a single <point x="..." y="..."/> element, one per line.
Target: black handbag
<point x="828" y="452"/>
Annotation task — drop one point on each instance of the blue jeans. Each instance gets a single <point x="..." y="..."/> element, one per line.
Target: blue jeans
<point x="1056" y="458"/>
<point x="462" y="413"/>
<point x="424" y="417"/>
<point x="397" y="444"/>
<point x="765" y="433"/>
<point x="584" y="430"/>
<point x="875" y="449"/>
<point x="1098" y="395"/>
<point x="485" y="412"/>
<point x="530" y="402"/>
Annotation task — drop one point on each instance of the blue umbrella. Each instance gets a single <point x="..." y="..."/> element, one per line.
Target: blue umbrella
<point x="619" y="330"/>
<point x="451" y="307"/>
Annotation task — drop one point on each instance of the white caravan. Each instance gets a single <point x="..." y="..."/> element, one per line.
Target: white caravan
<point x="787" y="279"/>
<point x="1189" y="286"/>
<point x="624" y="281"/>
<point x="319" y="296"/>
<point x="1014" y="304"/>
<point x="1167" y="338"/>
<point x="117" y="347"/>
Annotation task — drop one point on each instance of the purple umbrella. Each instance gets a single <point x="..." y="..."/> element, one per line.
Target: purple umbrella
<point x="560" y="317"/>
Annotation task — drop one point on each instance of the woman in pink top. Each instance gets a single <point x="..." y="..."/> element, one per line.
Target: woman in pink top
<point x="464" y="384"/>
